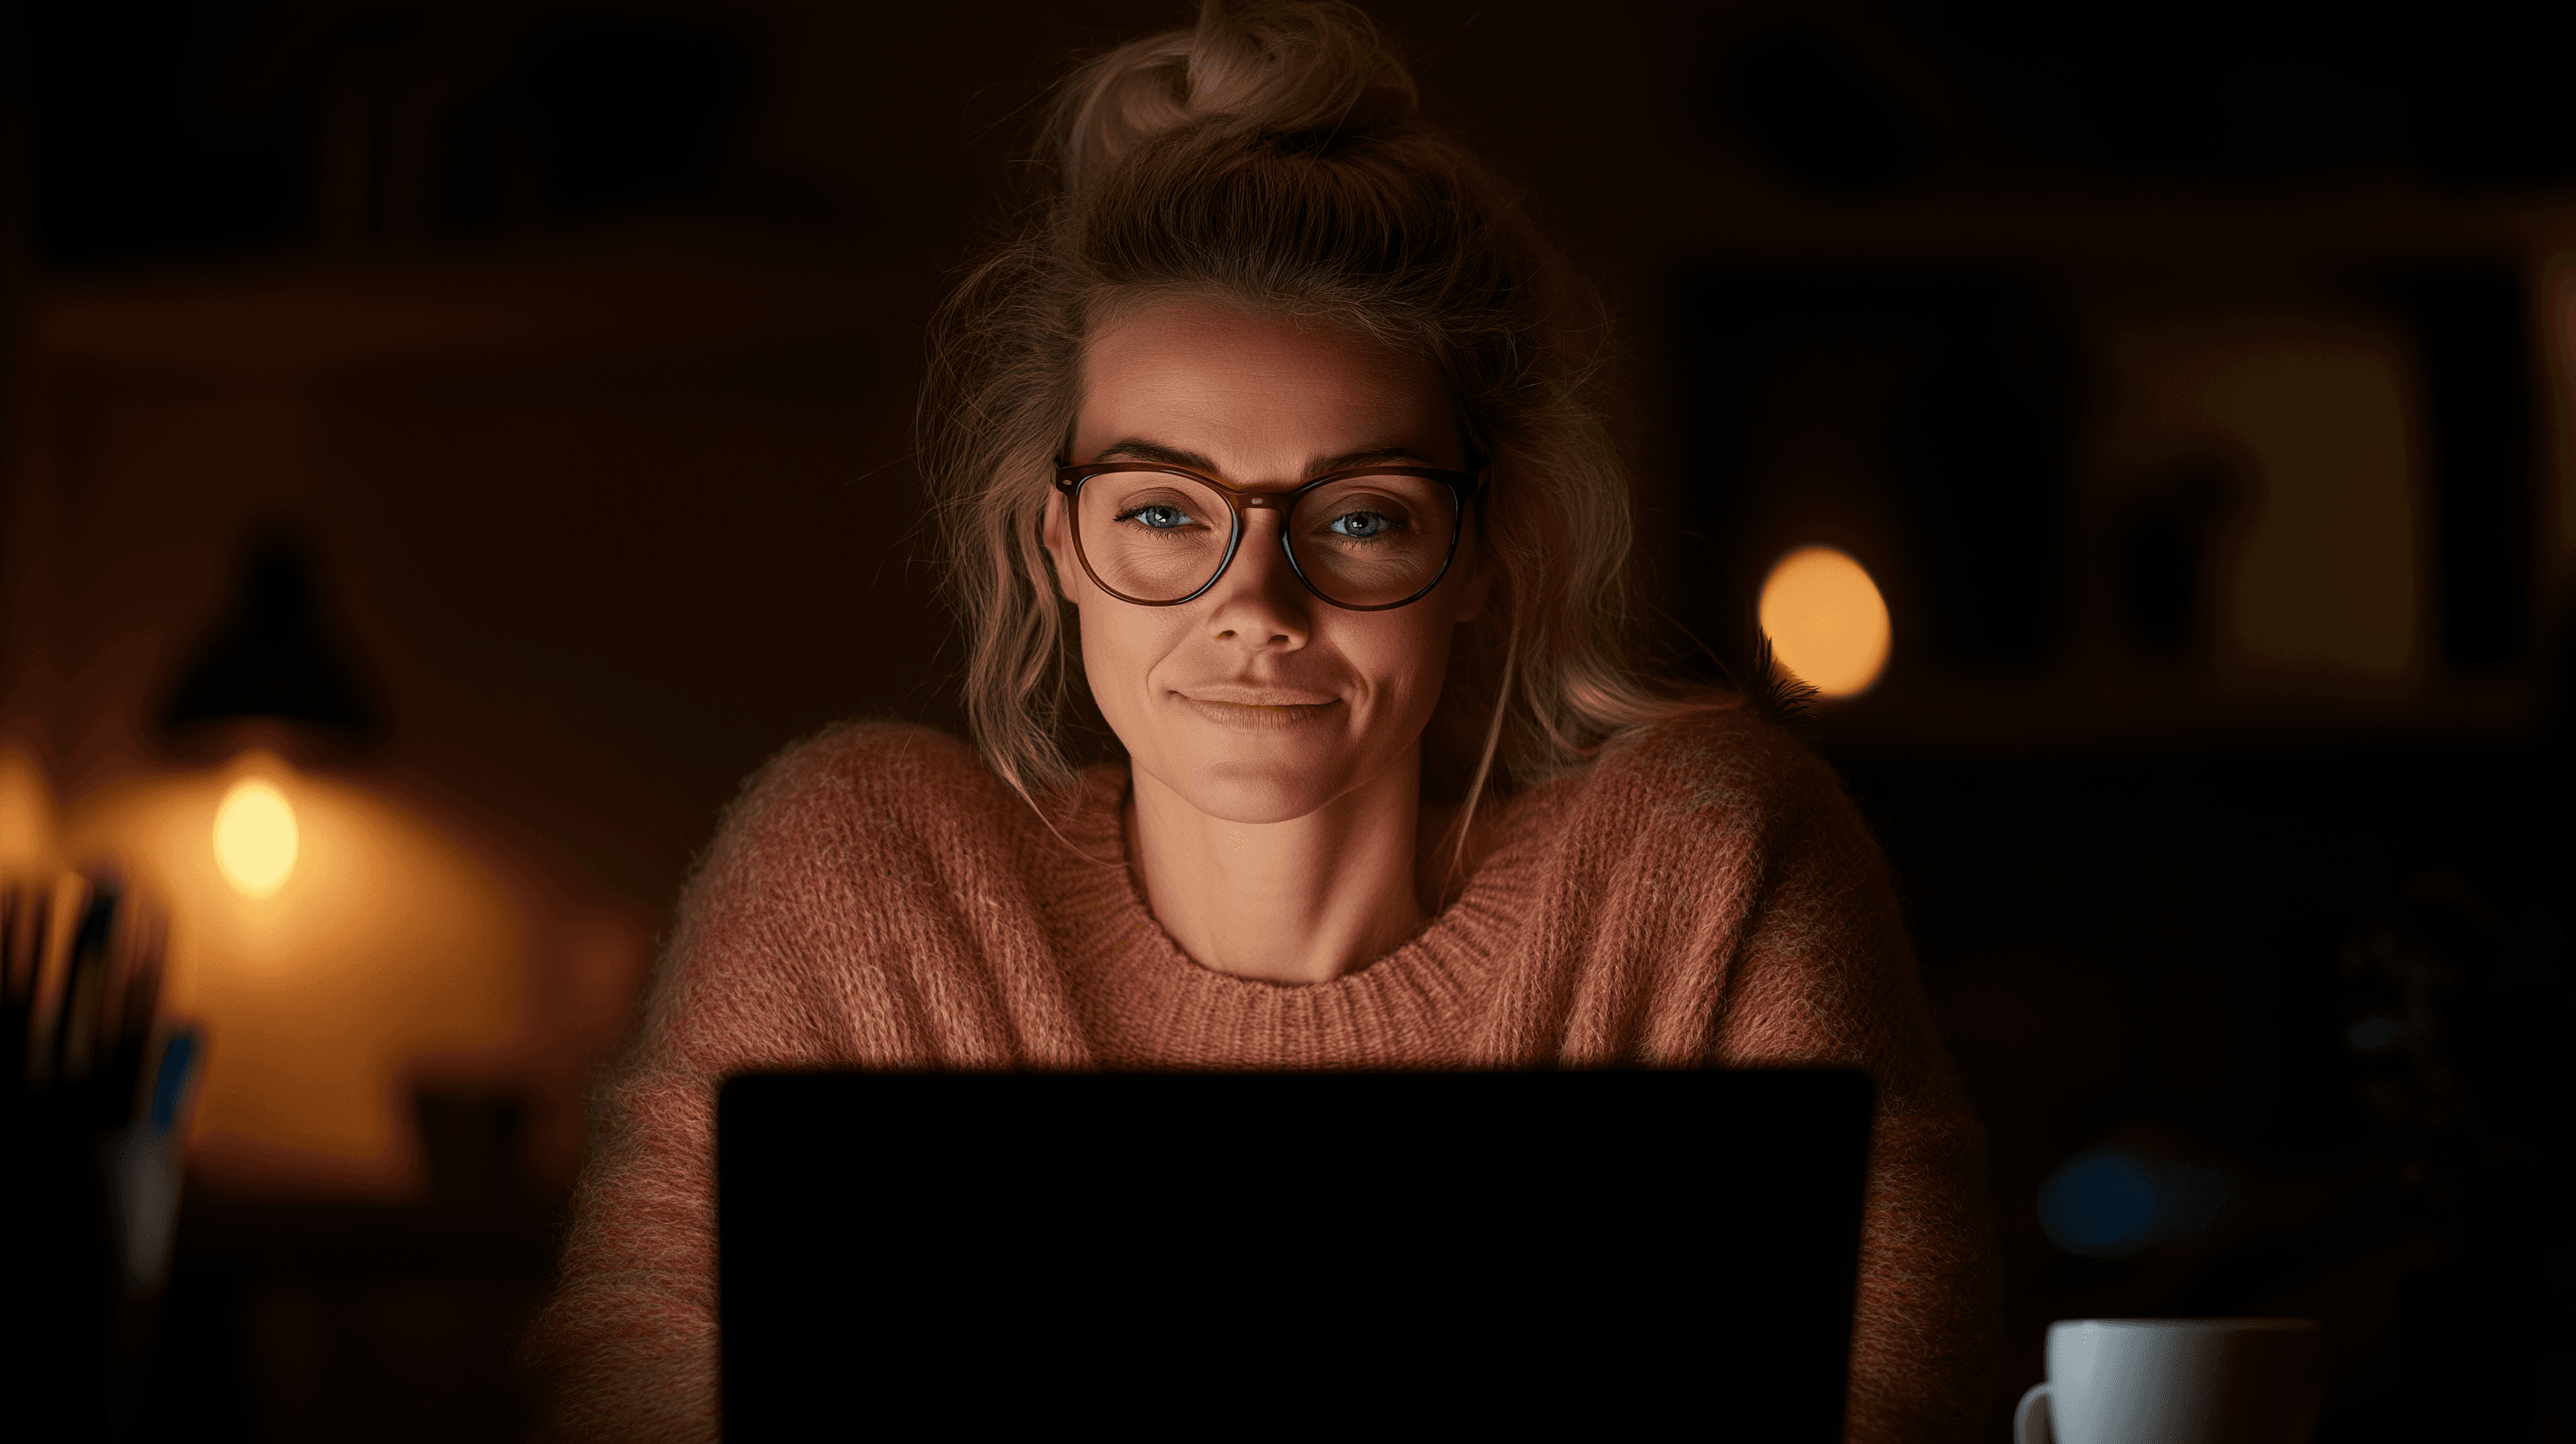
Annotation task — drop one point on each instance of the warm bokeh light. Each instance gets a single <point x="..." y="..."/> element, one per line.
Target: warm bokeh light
<point x="1826" y="621"/>
<point x="255" y="837"/>
<point x="393" y="953"/>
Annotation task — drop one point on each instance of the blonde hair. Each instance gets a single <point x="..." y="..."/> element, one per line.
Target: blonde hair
<point x="1271" y="156"/>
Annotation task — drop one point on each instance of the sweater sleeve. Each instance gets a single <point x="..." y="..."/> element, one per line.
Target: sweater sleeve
<point x="1824" y="976"/>
<point x="625" y="1349"/>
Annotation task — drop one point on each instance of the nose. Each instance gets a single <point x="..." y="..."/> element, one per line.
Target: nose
<point x="1259" y="605"/>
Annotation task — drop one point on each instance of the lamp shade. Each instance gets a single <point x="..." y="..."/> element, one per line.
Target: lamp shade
<point x="272" y="655"/>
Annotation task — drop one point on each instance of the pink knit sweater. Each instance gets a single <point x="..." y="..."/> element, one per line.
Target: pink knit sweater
<point x="876" y="898"/>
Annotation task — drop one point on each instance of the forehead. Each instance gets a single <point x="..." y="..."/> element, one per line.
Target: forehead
<point x="1255" y="392"/>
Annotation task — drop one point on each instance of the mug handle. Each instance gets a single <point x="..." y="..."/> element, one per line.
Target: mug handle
<point x="2031" y="1424"/>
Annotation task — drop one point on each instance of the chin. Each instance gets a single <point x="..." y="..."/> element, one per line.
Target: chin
<point x="1264" y="790"/>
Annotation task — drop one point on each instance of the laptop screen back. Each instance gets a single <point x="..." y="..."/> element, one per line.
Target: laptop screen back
<point x="1228" y="1253"/>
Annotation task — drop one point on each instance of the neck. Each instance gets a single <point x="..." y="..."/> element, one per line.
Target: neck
<point x="1302" y="901"/>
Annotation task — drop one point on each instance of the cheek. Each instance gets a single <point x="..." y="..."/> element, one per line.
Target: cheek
<point x="1407" y="657"/>
<point x="1120" y="645"/>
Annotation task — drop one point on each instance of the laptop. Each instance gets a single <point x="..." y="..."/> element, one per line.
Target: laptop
<point x="1227" y="1254"/>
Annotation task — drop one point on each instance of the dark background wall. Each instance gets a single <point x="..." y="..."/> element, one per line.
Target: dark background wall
<point x="563" y="357"/>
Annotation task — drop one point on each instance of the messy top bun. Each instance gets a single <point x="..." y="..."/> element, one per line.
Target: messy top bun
<point x="1317" y="70"/>
<point x="1272" y="156"/>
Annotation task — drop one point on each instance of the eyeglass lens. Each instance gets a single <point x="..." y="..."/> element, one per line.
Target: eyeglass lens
<point x="1363" y="541"/>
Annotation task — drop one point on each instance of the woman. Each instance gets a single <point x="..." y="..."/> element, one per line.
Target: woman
<point x="1275" y="401"/>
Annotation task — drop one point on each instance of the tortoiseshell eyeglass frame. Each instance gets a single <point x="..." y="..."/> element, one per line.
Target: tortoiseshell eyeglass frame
<point x="1466" y="486"/>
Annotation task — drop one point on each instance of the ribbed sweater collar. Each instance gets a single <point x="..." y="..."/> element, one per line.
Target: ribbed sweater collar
<point x="1144" y="1003"/>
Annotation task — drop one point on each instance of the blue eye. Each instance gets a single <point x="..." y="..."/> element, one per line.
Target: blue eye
<point x="1160" y="517"/>
<point x="1360" y="525"/>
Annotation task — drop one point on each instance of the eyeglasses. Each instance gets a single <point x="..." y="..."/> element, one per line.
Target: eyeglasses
<point x="1368" y="540"/>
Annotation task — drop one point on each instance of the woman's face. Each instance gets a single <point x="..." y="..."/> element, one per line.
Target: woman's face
<point x="1259" y="701"/>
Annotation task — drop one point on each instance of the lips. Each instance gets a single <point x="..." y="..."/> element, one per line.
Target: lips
<point x="1260" y="697"/>
<point x="1257" y="707"/>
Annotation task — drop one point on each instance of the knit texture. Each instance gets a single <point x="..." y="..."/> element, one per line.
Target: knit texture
<point x="1700" y="894"/>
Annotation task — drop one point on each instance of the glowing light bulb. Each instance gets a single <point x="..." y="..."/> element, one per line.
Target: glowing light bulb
<point x="255" y="837"/>
<point x="1826" y="620"/>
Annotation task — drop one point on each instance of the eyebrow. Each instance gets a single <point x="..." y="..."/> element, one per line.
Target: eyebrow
<point x="1135" y="449"/>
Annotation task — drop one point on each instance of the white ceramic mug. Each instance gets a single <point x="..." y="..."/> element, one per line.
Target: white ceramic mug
<point x="2177" y="1381"/>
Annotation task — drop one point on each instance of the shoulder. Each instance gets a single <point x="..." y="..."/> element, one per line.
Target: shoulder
<point x="858" y="789"/>
<point x="884" y="762"/>
<point x="1723" y="768"/>
<point x="834" y="886"/>
<point x="837" y="859"/>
